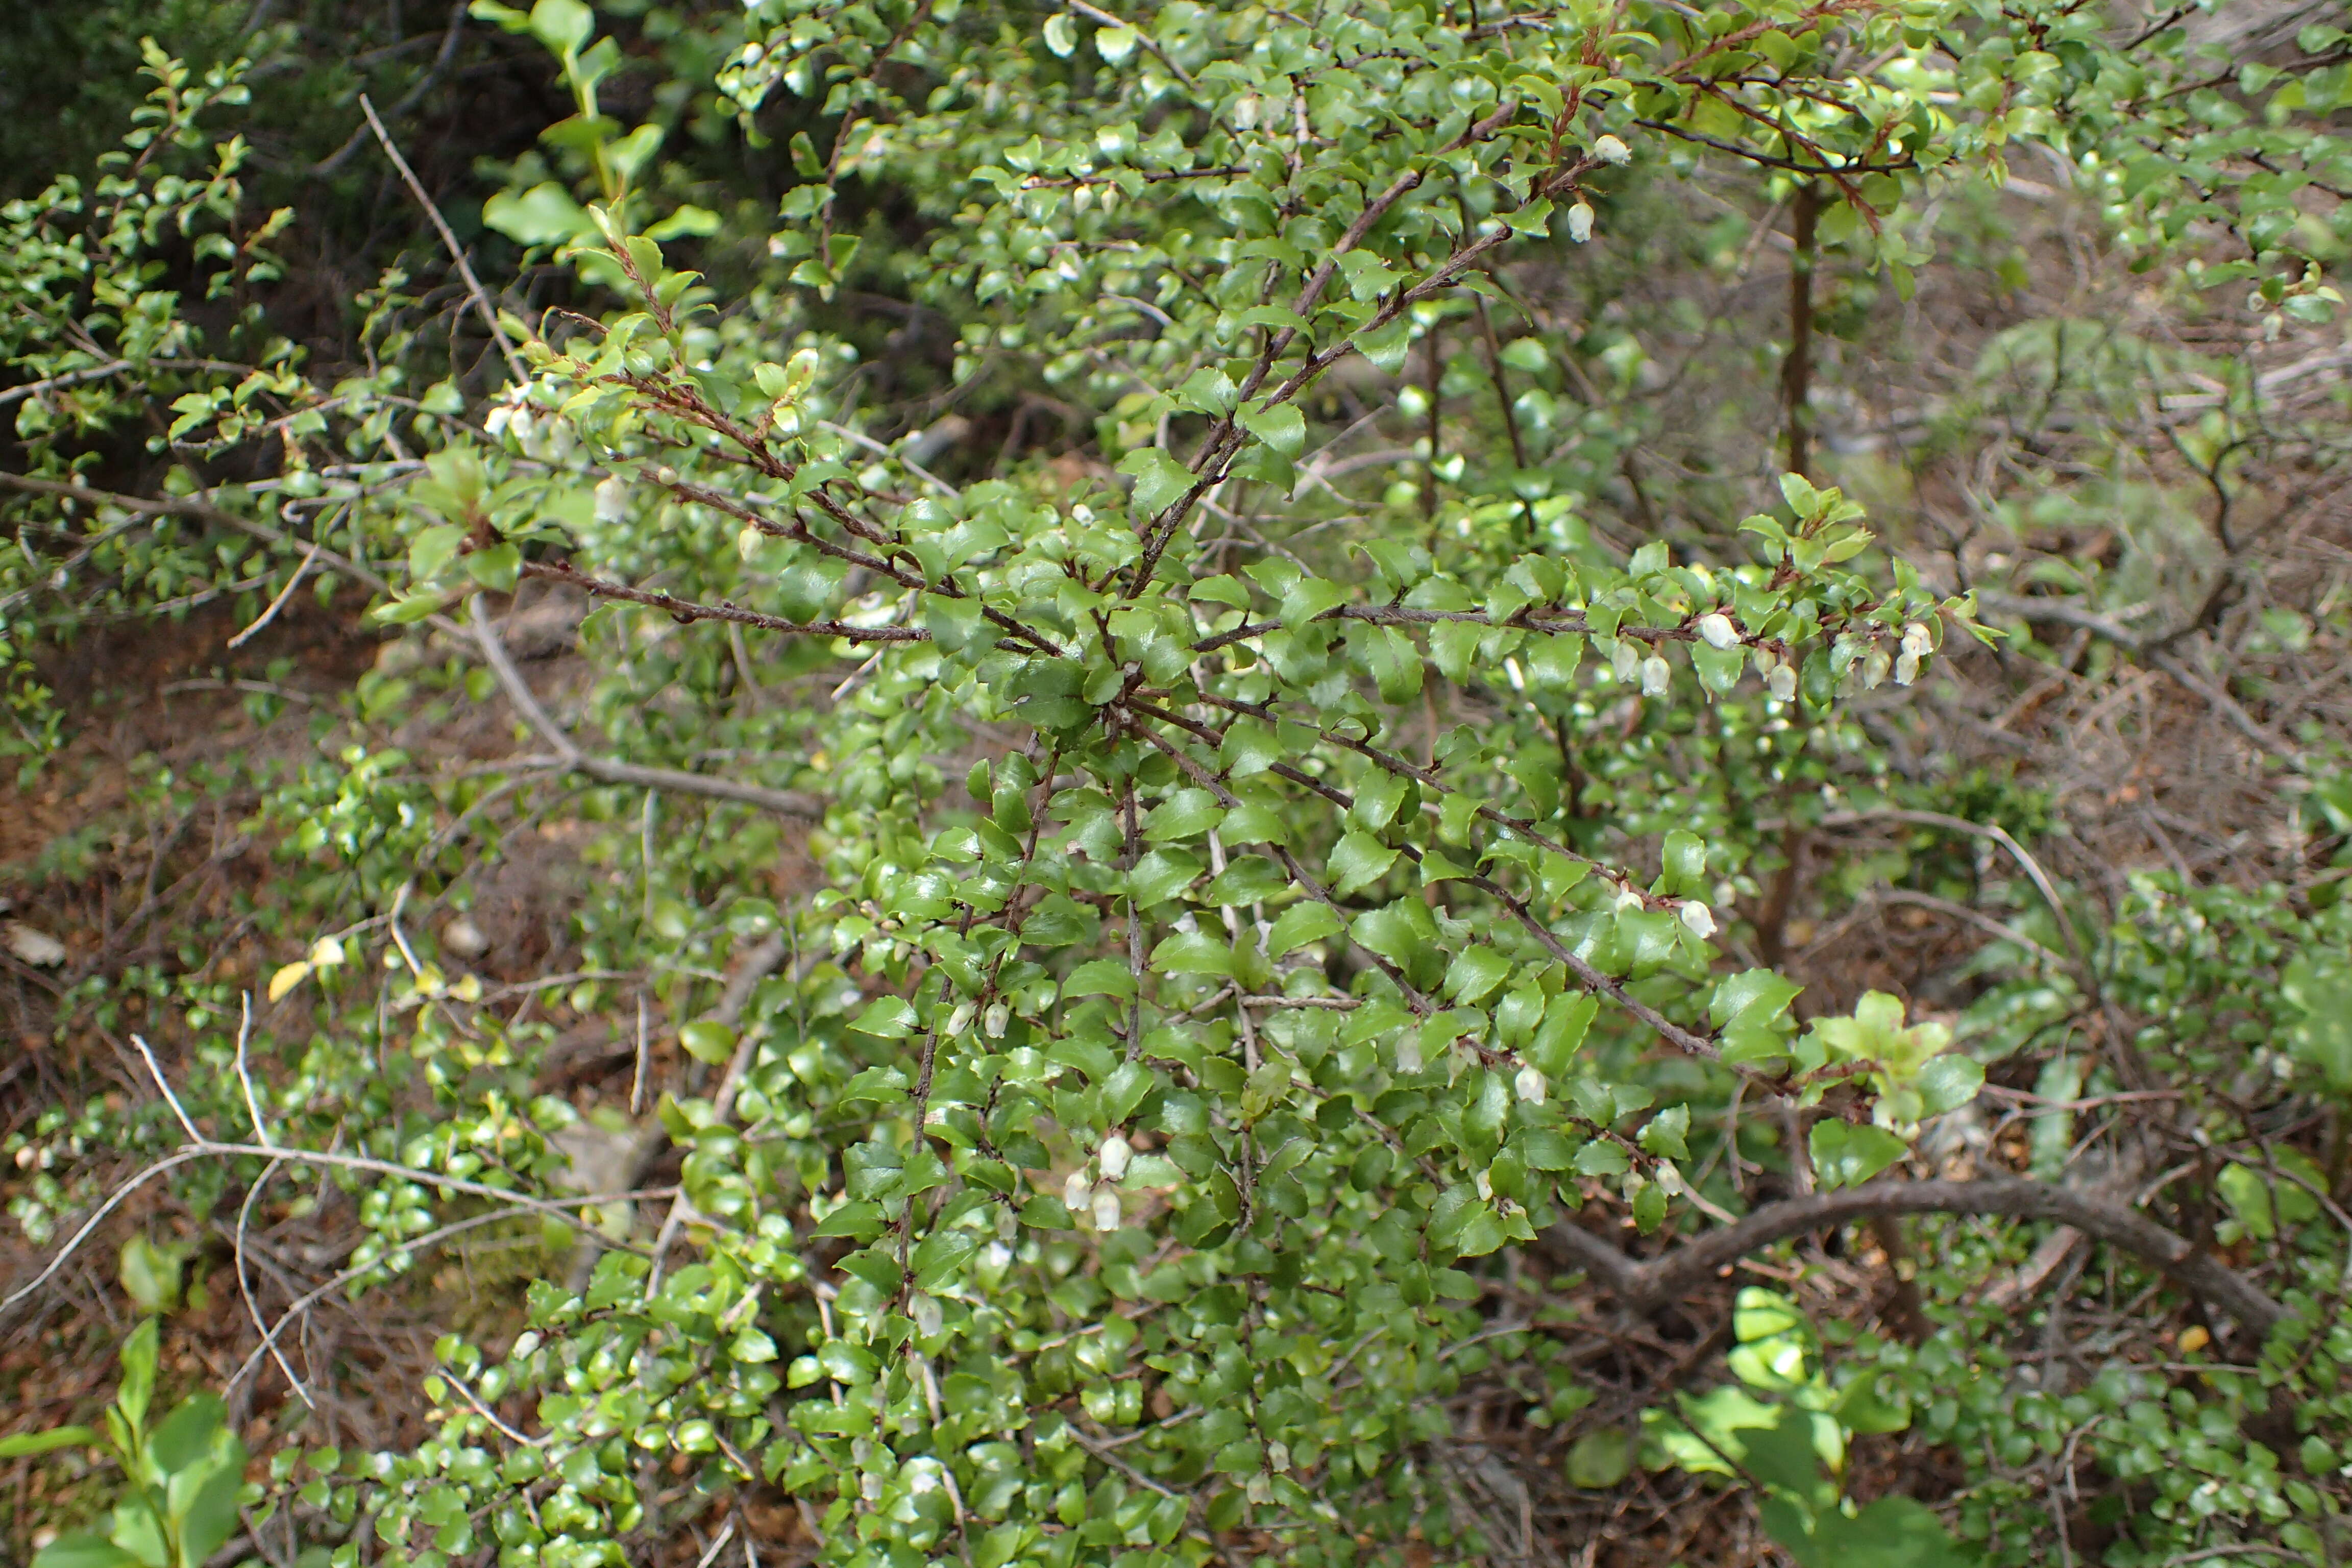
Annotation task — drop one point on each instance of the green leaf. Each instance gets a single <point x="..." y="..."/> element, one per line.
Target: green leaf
<point x="409" y="610"/>
<point x="1891" y="1532"/>
<point x="1601" y="1159"/>
<point x="1846" y="1156"/>
<point x="1306" y="598"/>
<point x="26" y="1443"/>
<point x="1187" y="813"/>
<point x="1403" y="932"/>
<point x="186" y="1436"/>
<point x="1387" y="347"/>
<point x="1666" y="1134"/>
<point x="1748" y="1010"/>
<point x="887" y="1018"/>
<point x="1249" y="747"/>
<point x="860" y="1221"/>
<point x="432" y="549"/>
<point x="1599" y="1460"/>
<point x="1565" y="1020"/>
<point x="1124" y="1090"/>
<point x="1282" y="428"/>
<point x="1649" y="1209"/>
<point x="1099" y="977"/>
<point x="543" y="215"/>
<point x="1718" y="668"/>
<point x="150" y="1275"/>
<point x="1160" y="874"/>
<point x="138" y="1372"/>
<point x="497" y="568"/>
<point x="1685" y="863"/>
<point x="1248" y="880"/>
<point x="563" y="26"/>
<point x="1161" y="480"/>
<point x="1357" y="861"/>
<point x="1950" y="1081"/>
<point x="84" y="1550"/>
<point x="883" y="1085"/>
<point x="505" y="17"/>
<point x="1300" y="924"/>
<point x="1475" y="973"/>
<point x="1192" y="952"/>
<point x="707" y="1041"/>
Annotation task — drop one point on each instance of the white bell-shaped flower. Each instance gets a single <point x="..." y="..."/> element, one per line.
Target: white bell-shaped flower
<point x="612" y="498"/>
<point x="1113" y="1157"/>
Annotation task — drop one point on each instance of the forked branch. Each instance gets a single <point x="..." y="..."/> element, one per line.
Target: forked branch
<point x="1647" y="1285"/>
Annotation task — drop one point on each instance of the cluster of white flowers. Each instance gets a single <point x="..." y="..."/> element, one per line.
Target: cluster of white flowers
<point x="1917" y="645"/>
<point x="544" y="437"/>
<point x="1780" y="675"/>
<point x="1608" y="150"/>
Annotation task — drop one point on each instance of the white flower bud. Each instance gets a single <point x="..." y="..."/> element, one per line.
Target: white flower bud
<point x="958" y="1021"/>
<point x="995" y="1018"/>
<point x="1277" y="1456"/>
<point x="1718" y="631"/>
<point x="1486" y="1186"/>
<point x="1106" y="1209"/>
<point x="1625" y="662"/>
<point x="1113" y="1157"/>
<point x="1628" y="898"/>
<point x="927" y="1314"/>
<point x="1529" y="1085"/>
<point x="612" y="498"/>
<point x="1076" y="1192"/>
<point x="1579" y="222"/>
<point x="1782" y="683"/>
<point x="1655" y="676"/>
<point x="1906" y="669"/>
<point x="1874" y="665"/>
<point x="1409" y="1053"/>
<point x="1698" y="917"/>
<point x="1609" y="150"/>
<point x="1916" y="640"/>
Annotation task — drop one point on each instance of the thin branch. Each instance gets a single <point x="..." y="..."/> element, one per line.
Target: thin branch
<point x="608" y="770"/>
<point x="277" y="603"/>
<point x="83" y="377"/>
<point x="1646" y="1285"/>
<point x="457" y="253"/>
<point x="688" y="611"/>
<point x="206" y="512"/>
